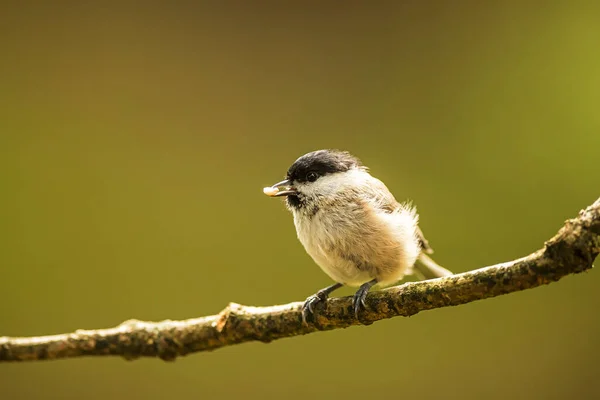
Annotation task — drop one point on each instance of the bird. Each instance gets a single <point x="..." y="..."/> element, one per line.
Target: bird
<point x="352" y="226"/>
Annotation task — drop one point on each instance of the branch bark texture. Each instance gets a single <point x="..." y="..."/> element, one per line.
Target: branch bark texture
<point x="572" y="250"/>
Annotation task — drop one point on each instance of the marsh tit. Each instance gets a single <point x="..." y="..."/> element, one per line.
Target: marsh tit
<point x="352" y="226"/>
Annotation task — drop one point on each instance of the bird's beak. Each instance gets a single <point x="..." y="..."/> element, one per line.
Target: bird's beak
<point x="275" y="190"/>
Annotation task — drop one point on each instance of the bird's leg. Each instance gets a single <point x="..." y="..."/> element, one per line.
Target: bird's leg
<point x="359" y="297"/>
<point x="321" y="295"/>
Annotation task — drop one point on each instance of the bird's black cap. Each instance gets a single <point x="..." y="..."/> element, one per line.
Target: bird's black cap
<point x="321" y="162"/>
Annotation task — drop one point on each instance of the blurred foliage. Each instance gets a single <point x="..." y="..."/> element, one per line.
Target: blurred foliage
<point x="135" y="140"/>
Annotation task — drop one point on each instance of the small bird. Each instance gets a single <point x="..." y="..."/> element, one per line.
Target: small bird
<point x="352" y="226"/>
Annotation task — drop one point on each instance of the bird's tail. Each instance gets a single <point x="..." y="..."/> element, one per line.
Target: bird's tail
<point x="425" y="268"/>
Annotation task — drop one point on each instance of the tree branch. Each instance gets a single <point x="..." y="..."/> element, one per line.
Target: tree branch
<point x="571" y="251"/>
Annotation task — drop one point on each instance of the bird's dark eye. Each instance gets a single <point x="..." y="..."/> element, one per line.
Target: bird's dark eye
<point x="311" y="176"/>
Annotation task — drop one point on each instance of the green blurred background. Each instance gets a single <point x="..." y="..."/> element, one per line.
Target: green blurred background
<point x="135" y="140"/>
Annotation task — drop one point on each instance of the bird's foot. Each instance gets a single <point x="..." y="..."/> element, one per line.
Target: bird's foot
<point x="358" y="301"/>
<point x="308" y="307"/>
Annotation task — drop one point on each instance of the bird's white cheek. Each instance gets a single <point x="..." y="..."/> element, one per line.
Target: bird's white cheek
<point x="324" y="186"/>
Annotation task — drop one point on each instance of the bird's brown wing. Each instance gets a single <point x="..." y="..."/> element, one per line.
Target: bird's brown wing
<point x="425" y="247"/>
<point x="388" y="202"/>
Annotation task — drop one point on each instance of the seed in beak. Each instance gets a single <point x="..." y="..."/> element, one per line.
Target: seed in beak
<point x="270" y="191"/>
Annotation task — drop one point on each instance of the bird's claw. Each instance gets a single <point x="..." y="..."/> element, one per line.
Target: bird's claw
<point x="308" y="308"/>
<point x="358" y="301"/>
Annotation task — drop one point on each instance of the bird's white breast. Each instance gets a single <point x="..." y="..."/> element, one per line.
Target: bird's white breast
<point x="320" y="236"/>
